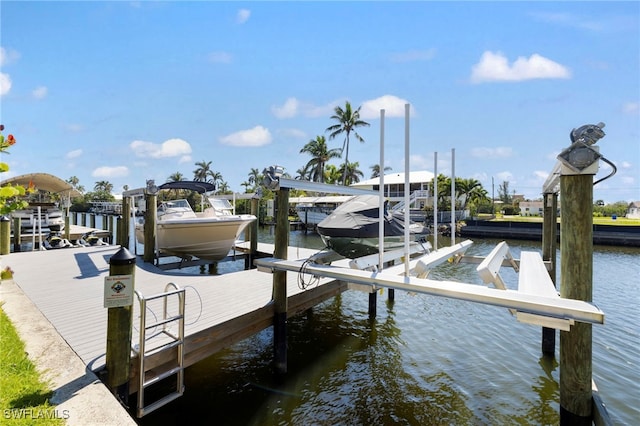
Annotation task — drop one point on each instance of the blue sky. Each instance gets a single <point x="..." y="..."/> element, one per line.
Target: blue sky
<point x="129" y="91"/>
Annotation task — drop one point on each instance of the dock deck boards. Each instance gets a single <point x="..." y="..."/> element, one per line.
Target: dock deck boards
<point x="67" y="286"/>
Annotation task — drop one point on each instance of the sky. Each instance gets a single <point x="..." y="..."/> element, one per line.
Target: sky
<point x="127" y="91"/>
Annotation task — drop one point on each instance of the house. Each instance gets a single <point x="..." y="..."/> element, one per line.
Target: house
<point x="531" y="208"/>
<point x="633" y="211"/>
<point x="419" y="182"/>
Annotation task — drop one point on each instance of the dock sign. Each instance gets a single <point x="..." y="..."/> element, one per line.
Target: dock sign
<point x="118" y="291"/>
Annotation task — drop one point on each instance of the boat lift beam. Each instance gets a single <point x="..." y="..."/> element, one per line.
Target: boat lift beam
<point x="565" y="309"/>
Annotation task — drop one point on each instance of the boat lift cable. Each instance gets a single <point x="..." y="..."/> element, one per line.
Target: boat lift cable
<point x="613" y="171"/>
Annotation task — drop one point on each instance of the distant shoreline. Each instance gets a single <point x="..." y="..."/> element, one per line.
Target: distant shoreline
<point x="610" y="235"/>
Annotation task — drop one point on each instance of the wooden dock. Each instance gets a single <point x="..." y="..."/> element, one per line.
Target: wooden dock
<point x="67" y="286"/>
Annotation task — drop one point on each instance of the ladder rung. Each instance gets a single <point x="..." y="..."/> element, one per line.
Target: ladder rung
<point x="159" y="403"/>
<point x="164" y="321"/>
<point x="161" y="376"/>
<point x="164" y="347"/>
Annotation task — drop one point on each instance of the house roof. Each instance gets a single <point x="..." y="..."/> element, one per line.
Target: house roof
<point x="44" y="182"/>
<point x="422" y="176"/>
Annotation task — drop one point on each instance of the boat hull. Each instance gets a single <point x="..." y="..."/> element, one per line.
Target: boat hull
<point x="204" y="238"/>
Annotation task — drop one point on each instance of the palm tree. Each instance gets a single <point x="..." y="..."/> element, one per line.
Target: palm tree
<point x="176" y="177"/>
<point x="472" y="191"/>
<point x="348" y="120"/>
<point x="332" y="174"/>
<point x="320" y="154"/>
<point x="246" y="185"/>
<point x="302" y="174"/>
<point x="350" y="173"/>
<point x="216" y="178"/>
<point x="255" y="177"/>
<point x="203" y="171"/>
<point x="75" y="182"/>
<point x="103" y="185"/>
<point x="375" y="170"/>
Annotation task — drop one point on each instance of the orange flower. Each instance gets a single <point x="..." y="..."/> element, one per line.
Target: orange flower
<point x="11" y="140"/>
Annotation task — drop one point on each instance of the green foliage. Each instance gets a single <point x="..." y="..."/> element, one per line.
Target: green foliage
<point x="619" y="208"/>
<point x="10" y="195"/>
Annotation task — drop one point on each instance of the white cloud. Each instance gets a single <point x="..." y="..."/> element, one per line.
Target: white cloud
<point x="393" y="107"/>
<point x="495" y="67"/>
<point x="293" y="107"/>
<point x="504" y="177"/>
<point x="74" y="128"/>
<point x="220" y="57"/>
<point x="169" y="148"/>
<point x="184" y="159"/>
<point x="8" y="56"/>
<point x="491" y="153"/>
<point x="414" y="55"/>
<point x="39" y="92"/>
<point x="624" y="165"/>
<point x="293" y="133"/>
<point x="288" y="110"/>
<point x="5" y="83"/>
<point x="110" y="172"/>
<point x="74" y="154"/>
<point x="632" y="108"/>
<point x="541" y="175"/>
<point x="243" y="16"/>
<point x="258" y="136"/>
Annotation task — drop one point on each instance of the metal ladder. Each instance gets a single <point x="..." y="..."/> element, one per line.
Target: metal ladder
<point x="169" y="341"/>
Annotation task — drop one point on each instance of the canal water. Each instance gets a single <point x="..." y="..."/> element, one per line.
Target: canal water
<point x="424" y="360"/>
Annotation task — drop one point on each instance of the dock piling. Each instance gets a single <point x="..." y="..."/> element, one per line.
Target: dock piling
<point x="119" y="326"/>
<point x="576" y="270"/>
<point x="150" y="216"/>
<point x="549" y="246"/>
<point x="281" y="242"/>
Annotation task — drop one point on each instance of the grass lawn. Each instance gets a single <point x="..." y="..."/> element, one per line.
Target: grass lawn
<point x="24" y="397"/>
<point x="620" y="221"/>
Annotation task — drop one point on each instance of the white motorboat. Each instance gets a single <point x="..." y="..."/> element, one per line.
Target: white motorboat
<point x="352" y="230"/>
<point x="38" y="216"/>
<point x="209" y="235"/>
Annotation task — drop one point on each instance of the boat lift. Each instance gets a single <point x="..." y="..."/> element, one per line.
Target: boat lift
<point x="535" y="302"/>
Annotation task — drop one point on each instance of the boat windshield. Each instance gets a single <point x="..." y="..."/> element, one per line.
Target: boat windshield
<point x="173" y="205"/>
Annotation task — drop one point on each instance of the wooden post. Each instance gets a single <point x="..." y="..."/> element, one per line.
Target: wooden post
<point x="67" y="227"/>
<point x="5" y="235"/>
<point x="150" y="217"/>
<point x="83" y="219"/>
<point x="110" y="228"/>
<point x="373" y="304"/>
<point x="92" y="220"/>
<point x="576" y="271"/>
<point x="252" y="233"/>
<point x="281" y="242"/>
<point x="119" y="323"/>
<point x="549" y="239"/>
<point x="17" y="228"/>
<point x="126" y="222"/>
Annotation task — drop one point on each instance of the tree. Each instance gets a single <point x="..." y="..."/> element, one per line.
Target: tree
<point x="320" y="154"/>
<point x="331" y="174"/>
<point x="103" y="186"/>
<point x="202" y="172"/>
<point x="75" y="182"/>
<point x="375" y="170"/>
<point x="175" y="177"/>
<point x="347" y="121"/>
<point x="350" y="173"/>
<point x="503" y="193"/>
<point x="255" y="177"/>
<point x="472" y="191"/>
